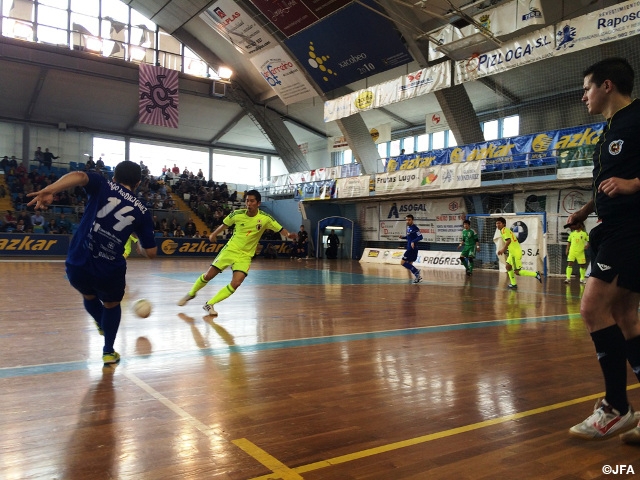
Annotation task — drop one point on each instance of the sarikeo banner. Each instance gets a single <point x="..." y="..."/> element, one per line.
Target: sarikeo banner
<point x="439" y="220"/>
<point x="283" y="75"/>
<point x="237" y="27"/>
<point x="158" y="96"/>
<point x="352" y="44"/>
<point x="408" y="86"/>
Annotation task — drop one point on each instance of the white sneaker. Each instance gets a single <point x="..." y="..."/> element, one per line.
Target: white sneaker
<point x="207" y="307"/>
<point x="566" y="280"/>
<point x="182" y="302"/>
<point x="418" y="278"/>
<point x="604" y="422"/>
<point x="583" y="281"/>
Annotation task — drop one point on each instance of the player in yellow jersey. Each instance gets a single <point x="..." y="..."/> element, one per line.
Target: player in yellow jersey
<point x="577" y="243"/>
<point x="249" y="225"/>
<point x="514" y="255"/>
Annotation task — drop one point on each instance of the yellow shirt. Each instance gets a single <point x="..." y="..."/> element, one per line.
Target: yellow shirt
<point x="507" y="234"/>
<point x="248" y="230"/>
<point x="578" y="241"/>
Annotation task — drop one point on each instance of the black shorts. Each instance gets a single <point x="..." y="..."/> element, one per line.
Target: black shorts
<point x="107" y="289"/>
<point x="614" y="253"/>
<point x="410" y="255"/>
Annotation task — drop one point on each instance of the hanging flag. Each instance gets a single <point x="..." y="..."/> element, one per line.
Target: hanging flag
<point x="158" y="89"/>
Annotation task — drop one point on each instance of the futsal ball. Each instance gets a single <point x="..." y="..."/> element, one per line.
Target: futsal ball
<point x="142" y="308"/>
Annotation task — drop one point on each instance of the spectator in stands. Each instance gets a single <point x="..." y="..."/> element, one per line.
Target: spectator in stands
<point x="90" y="165"/>
<point x="205" y="234"/>
<point x="100" y="164"/>
<point x="26" y="221"/>
<point x="175" y="170"/>
<point x="303" y="243"/>
<point x="189" y="228"/>
<point x="21" y="227"/>
<point x="3" y="191"/>
<point x="38" y="156"/>
<point x="157" y="225"/>
<point x="64" y="225"/>
<point x="200" y="174"/>
<point x="37" y="220"/>
<point x="13" y="164"/>
<point x="164" y="225"/>
<point x="10" y="222"/>
<point x="49" y="157"/>
<point x="178" y="232"/>
<point x="4" y="164"/>
<point x="52" y="227"/>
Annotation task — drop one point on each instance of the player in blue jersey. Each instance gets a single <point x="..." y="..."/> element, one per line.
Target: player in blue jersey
<point x="96" y="265"/>
<point x="413" y="236"/>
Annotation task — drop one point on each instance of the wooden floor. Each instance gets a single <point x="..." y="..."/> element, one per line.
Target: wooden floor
<point x="313" y="370"/>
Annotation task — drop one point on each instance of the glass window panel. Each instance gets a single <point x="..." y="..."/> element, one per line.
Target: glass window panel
<point x="193" y="66"/>
<point x="141" y="21"/>
<point x="63" y="4"/>
<point x="490" y="130"/>
<point x="85" y="25"/>
<point x="53" y="17"/>
<point x="116" y="31"/>
<point x="115" y="10"/>
<point x="408" y="144"/>
<point x="348" y="157"/>
<point x="142" y="37"/>
<point x="438" y="140"/>
<point x="17" y="29"/>
<point x="382" y="149"/>
<point x="21" y="9"/>
<point x="53" y="36"/>
<point x="452" y="139"/>
<point x="394" y="148"/>
<point x="169" y="44"/>
<point x="167" y="60"/>
<point x="86" y="7"/>
<point x="423" y="143"/>
<point x="511" y="126"/>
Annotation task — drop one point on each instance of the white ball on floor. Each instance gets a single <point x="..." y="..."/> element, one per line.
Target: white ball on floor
<point x="142" y="308"/>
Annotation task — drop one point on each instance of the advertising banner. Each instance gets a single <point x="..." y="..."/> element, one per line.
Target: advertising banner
<point x="283" y="75"/>
<point x="436" y="122"/>
<point x="353" y="187"/>
<point x="528" y="229"/>
<point x="20" y="244"/>
<point x="321" y="190"/>
<point x="439" y="220"/>
<point x="352" y="44"/>
<point x="402" y="88"/>
<point x="426" y="258"/>
<point x="460" y="175"/>
<point x="237" y="27"/>
<point x="398" y="182"/>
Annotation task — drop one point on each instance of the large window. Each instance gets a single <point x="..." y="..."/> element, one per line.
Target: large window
<point x="105" y="27"/>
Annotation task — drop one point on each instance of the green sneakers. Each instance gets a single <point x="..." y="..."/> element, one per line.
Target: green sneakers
<point x="111" y="358"/>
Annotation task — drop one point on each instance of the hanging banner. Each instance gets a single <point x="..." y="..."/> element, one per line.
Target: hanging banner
<point x="353" y="187"/>
<point x="398" y="182"/>
<point x="158" y="96"/>
<point x="337" y="144"/>
<point x="436" y="122"/>
<point x="409" y="86"/>
<point x="350" y="45"/>
<point x="237" y="27"/>
<point x="322" y="190"/>
<point x="460" y="175"/>
<point x="283" y="75"/>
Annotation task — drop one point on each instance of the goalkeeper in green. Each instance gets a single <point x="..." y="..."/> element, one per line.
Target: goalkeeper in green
<point x="470" y="244"/>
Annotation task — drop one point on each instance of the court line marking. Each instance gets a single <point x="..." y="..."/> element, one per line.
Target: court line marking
<point x="277" y="467"/>
<point x="24" y="370"/>
<point x="433" y="436"/>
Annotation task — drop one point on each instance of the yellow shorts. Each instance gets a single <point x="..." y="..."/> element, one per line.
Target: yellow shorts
<point x="577" y="257"/>
<point x="515" y="259"/>
<point x="238" y="261"/>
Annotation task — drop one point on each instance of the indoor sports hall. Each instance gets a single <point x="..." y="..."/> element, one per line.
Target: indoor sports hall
<point x="331" y="361"/>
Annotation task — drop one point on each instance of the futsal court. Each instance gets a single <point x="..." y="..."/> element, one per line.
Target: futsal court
<point x="313" y="369"/>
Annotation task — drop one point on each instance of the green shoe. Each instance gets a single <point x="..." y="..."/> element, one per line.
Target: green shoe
<point x="100" y="331"/>
<point x="111" y="358"/>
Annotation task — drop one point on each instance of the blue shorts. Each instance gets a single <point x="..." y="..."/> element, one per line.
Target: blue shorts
<point x="107" y="288"/>
<point x="410" y="255"/>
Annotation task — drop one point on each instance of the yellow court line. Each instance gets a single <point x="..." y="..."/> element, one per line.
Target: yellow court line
<point x="280" y="469"/>
<point x="432" y="436"/>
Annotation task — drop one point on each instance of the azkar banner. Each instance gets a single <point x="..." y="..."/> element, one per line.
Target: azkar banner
<point x="197" y="247"/>
<point x="569" y="144"/>
<point x="20" y="244"/>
